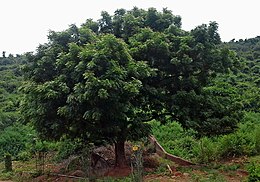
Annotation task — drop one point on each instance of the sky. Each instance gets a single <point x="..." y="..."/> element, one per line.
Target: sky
<point x="25" y="23"/>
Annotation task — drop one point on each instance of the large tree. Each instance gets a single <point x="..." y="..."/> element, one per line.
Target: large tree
<point x="92" y="92"/>
<point x="103" y="84"/>
<point x="186" y="63"/>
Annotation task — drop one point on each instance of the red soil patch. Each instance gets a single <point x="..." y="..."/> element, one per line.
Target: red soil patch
<point x="119" y="172"/>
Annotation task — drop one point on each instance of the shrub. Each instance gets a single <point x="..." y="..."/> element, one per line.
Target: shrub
<point x="68" y="147"/>
<point x="182" y="147"/>
<point x="257" y="140"/>
<point x="183" y="143"/>
<point x="254" y="172"/>
<point x="24" y="156"/>
<point x="14" y="139"/>
<point x="205" y="150"/>
<point x="43" y="146"/>
<point x="236" y="144"/>
<point x="174" y="138"/>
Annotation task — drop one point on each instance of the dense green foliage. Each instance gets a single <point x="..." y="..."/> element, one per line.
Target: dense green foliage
<point x="247" y="80"/>
<point x="254" y="172"/>
<point x="186" y="63"/>
<point x="10" y="81"/>
<point x="177" y="141"/>
<point x="104" y="80"/>
<point x="16" y="139"/>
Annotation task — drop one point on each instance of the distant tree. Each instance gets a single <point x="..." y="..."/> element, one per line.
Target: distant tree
<point x="118" y="22"/>
<point x="105" y="23"/>
<point x="11" y="56"/>
<point x="92" y="25"/>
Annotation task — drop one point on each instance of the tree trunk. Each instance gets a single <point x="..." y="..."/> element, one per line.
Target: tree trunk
<point x="120" y="154"/>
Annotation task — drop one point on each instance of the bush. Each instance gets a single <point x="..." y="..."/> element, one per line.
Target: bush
<point x="15" y="139"/>
<point x="182" y="147"/>
<point x="174" y="138"/>
<point x="24" y="156"/>
<point x="245" y="141"/>
<point x="68" y="147"/>
<point x="205" y="150"/>
<point x="43" y="146"/>
<point x="183" y="143"/>
<point x="236" y="144"/>
<point x="254" y="172"/>
<point x="257" y="140"/>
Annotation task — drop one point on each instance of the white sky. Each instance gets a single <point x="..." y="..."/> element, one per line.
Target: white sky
<point x="25" y="23"/>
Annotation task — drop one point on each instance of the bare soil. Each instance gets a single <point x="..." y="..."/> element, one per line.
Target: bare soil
<point x="177" y="173"/>
<point x="231" y="170"/>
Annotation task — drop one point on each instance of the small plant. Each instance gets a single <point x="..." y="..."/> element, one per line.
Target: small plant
<point x="137" y="164"/>
<point x="208" y="175"/>
<point x="163" y="167"/>
<point x="68" y="147"/>
<point x="85" y="158"/>
<point x="206" y="150"/>
<point x="254" y="172"/>
<point x="6" y="175"/>
<point x="257" y="143"/>
<point x="227" y="168"/>
<point x="24" y="156"/>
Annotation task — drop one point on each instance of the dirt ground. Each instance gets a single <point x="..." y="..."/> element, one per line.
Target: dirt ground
<point x="176" y="174"/>
<point x="231" y="170"/>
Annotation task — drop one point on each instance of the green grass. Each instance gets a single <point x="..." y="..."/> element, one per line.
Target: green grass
<point x="19" y="168"/>
<point x="110" y="179"/>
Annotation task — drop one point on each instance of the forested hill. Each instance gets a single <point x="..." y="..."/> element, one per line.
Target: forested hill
<point x="247" y="80"/>
<point x="249" y="49"/>
<point x="246" y="47"/>
<point x="10" y="81"/>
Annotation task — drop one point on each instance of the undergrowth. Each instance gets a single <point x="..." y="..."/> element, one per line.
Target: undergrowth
<point x="184" y="143"/>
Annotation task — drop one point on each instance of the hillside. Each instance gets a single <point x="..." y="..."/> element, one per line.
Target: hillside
<point x="10" y="81"/>
<point x="248" y="76"/>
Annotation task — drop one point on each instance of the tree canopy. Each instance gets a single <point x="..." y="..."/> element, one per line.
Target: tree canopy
<point x="104" y="80"/>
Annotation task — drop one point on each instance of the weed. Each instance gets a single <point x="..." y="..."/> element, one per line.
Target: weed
<point x="6" y="175"/>
<point x="254" y="172"/>
<point x="205" y="150"/>
<point x="210" y="176"/>
<point x="232" y="167"/>
<point x="110" y="179"/>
